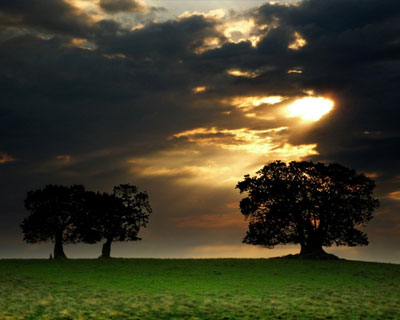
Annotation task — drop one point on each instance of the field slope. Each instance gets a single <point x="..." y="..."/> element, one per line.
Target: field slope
<point x="198" y="289"/>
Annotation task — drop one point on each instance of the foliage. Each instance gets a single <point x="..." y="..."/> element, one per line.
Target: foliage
<point x="137" y="212"/>
<point x="101" y="214"/>
<point x="71" y="214"/>
<point x="306" y="203"/>
<point x="114" y="217"/>
<point x="198" y="289"/>
<point x="53" y="211"/>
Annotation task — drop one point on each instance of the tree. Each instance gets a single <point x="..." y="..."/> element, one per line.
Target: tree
<point x="115" y="217"/>
<point x="53" y="211"/>
<point x="306" y="203"/>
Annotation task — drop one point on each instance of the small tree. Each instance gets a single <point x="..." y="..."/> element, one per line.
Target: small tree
<point x="52" y="213"/>
<point x="306" y="203"/>
<point x="116" y="217"/>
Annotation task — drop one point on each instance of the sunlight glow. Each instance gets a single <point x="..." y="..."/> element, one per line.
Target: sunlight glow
<point x="242" y="30"/>
<point x="298" y="42"/>
<point x="209" y="43"/>
<point x="199" y="89"/>
<point x="295" y="71"/>
<point x="90" y="8"/>
<point x="310" y="108"/>
<point x="233" y="31"/>
<point x="218" y="156"/>
<point x="239" y="73"/>
<point x="212" y="14"/>
<point x="82" y="44"/>
<point x="262" y="141"/>
<point x="137" y="27"/>
<point x="253" y="101"/>
<point x="263" y="116"/>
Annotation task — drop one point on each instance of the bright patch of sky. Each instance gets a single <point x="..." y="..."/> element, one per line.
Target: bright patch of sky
<point x="177" y="7"/>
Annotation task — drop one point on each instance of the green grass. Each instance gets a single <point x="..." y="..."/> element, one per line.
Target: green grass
<point x="198" y="289"/>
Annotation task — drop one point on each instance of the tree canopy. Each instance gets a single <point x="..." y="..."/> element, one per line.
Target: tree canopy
<point x="115" y="217"/>
<point x="53" y="211"/>
<point x="71" y="214"/>
<point x="306" y="203"/>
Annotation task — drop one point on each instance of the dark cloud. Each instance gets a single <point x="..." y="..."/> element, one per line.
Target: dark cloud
<point x="100" y="110"/>
<point x="55" y="16"/>
<point x="162" y="42"/>
<point x="115" y="6"/>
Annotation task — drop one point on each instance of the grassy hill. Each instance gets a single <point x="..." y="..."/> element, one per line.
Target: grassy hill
<point x="198" y="289"/>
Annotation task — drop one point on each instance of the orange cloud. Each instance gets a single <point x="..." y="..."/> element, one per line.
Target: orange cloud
<point x="295" y="71"/>
<point x="4" y="158"/>
<point x="199" y="89"/>
<point x="261" y="141"/>
<point x="64" y="157"/>
<point x="298" y="42"/>
<point x="82" y="44"/>
<point x="208" y="43"/>
<point x="372" y="175"/>
<point x="395" y="195"/>
<point x="240" y="73"/>
<point x="253" y="101"/>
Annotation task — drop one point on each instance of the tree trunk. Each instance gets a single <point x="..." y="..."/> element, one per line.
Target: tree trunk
<point x="312" y="246"/>
<point x="106" y="250"/>
<point x="312" y="249"/>
<point x="58" y="247"/>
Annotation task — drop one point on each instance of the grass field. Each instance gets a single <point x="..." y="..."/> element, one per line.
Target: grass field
<point x="198" y="289"/>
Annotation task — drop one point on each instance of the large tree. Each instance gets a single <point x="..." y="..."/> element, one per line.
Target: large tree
<point x="306" y="203"/>
<point x="115" y="217"/>
<point x="53" y="211"/>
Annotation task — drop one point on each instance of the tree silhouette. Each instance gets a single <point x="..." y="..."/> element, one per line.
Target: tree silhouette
<point x="306" y="203"/>
<point x="115" y="217"/>
<point x="53" y="211"/>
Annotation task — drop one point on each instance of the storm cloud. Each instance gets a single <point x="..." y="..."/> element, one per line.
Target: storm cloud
<point x="114" y="6"/>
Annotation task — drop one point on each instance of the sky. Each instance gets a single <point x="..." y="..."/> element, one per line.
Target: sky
<point x="183" y="98"/>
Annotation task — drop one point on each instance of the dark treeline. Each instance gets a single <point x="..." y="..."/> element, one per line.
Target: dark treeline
<point x="310" y="204"/>
<point x="71" y="214"/>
